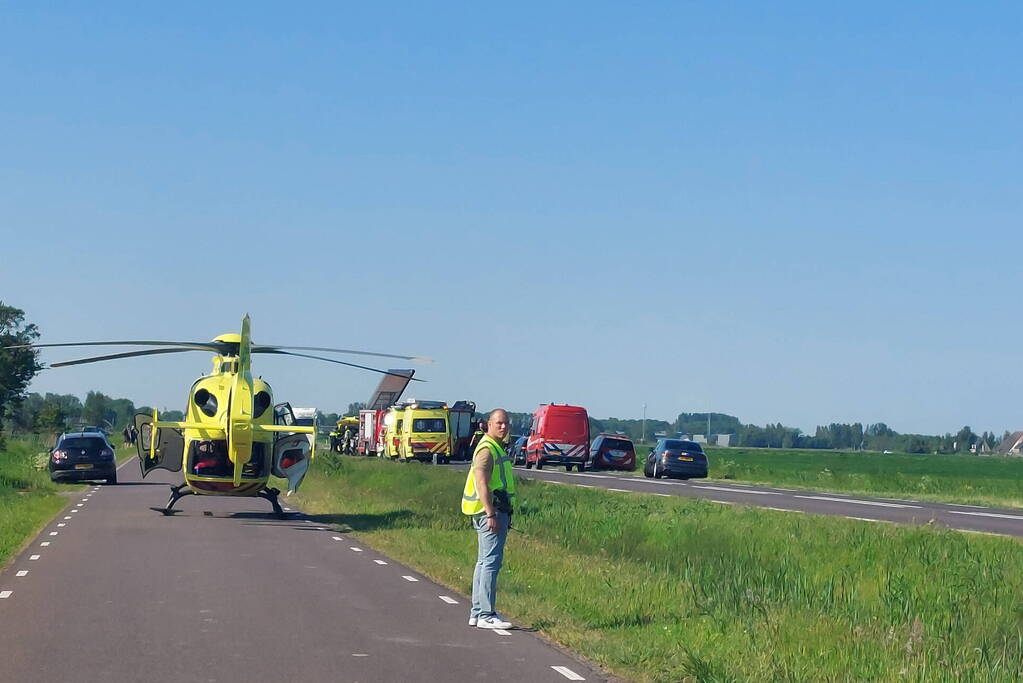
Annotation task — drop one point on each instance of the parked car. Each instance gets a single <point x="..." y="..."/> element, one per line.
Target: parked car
<point x="560" y="435"/>
<point x="517" y="450"/>
<point x="612" y="452"/>
<point x="676" y="458"/>
<point x="83" y="455"/>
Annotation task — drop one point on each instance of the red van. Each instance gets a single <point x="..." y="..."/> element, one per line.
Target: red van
<point x="559" y="435"/>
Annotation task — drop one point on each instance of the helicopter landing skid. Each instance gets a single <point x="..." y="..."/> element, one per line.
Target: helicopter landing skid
<point x="176" y="494"/>
<point x="271" y="495"/>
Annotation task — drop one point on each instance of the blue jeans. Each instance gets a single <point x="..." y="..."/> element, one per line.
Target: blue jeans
<point x="489" y="556"/>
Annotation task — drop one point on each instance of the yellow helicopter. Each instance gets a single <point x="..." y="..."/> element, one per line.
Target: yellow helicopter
<point x="230" y="440"/>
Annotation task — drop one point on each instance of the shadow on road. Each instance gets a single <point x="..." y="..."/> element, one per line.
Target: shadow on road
<point x="387" y="520"/>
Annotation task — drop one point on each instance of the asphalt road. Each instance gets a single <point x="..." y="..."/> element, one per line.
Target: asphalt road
<point x="224" y="591"/>
<point x="972" y="518"/>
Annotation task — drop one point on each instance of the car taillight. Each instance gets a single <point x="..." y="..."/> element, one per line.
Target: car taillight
<point x="59" y="455"/>
<point x="664" y="456"/>
<point x="107" y="453"/>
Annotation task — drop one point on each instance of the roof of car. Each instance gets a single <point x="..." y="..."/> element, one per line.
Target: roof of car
<point x="687" y="442"/>
<point x="621" y="437"/>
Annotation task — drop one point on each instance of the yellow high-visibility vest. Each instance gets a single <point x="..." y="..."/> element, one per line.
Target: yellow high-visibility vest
<point x="501" y="478"/>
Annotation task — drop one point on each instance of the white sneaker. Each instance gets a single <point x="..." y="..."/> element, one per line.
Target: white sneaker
<point x="472" y="621"/>
<point x="493" y="621"/>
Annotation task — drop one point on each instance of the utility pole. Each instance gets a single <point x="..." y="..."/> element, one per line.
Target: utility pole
<point x="708" y="426"/>
<point x="642" y="439"/>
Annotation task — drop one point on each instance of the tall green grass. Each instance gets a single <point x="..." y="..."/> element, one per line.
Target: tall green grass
<point x="27" y="497"/>
<point x="677" y="589"/>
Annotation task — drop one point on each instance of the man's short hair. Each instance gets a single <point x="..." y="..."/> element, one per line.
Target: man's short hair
<point x="496" y="410"/>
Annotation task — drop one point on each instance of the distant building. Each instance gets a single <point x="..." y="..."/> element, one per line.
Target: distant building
<point x="699" y="438"/>
<point x="1011" y="445"/>
<point x="725" y="439"/>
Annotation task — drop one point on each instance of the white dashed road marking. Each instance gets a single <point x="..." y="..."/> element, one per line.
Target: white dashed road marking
<point x="729" y="490"/>
<point x="337" y="538"/>
<point x="354" y="549"/>
<point x="45" y="543"/>
<point x="723" y="502"/>
<point x="78" y="505"/>
<point x="23" y="572"/>
<point x="67" y="517"/>
<point x="34" y="557"/>
<point x="568" y="673"/>
<point x="860" y="502"/>
<point x="868" y="519"/>
<point x="666" y="495"/>
<point x="502" y="632"/>
<point x="786" y="510"/>
<point x="585" y="486"/>
<point x="450" y="601"/>
<point x="619" y="490"/>
<point x="62" y="524"/>
<point x="985" y="514"/>
<point x="5" y="594"/>
<point x="54" y="533"/>
<point x="410" y="578"/>
<point x="379" y="561"/>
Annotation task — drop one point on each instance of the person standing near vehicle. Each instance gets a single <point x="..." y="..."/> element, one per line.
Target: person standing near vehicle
<point x="487" y="499"/>
<point x="481" y="429"/>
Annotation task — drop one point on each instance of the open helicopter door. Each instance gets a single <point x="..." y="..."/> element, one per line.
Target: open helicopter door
<point x="291" y="459"/>
<point x="170" y="446"/>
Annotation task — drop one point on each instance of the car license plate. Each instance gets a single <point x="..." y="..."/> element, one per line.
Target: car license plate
<point x="83" y="467"/>
<point x="682" y="457"/>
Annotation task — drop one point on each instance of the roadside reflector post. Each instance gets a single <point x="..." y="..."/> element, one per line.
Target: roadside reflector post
<point x="434" y="458"/>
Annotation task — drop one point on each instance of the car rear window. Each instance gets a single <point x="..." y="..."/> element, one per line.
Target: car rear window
<point x="687" y="446"/>
<point x="429" y="424"/>
<point x="83" y="442"/>
<point x="618" y="444"/>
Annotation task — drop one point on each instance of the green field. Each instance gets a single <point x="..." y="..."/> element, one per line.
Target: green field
<point x="989" y="480"/>
<point x="28" y="499"/>
<point x="678" y="589"/>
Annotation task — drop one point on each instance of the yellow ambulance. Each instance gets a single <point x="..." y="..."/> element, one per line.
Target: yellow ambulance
<point x="425" y="432"/>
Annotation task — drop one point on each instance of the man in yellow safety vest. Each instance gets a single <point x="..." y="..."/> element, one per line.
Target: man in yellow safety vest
<point x="487" y="498"/>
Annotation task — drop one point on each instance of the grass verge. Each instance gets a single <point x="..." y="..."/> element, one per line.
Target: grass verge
<point x="28" y="500"/>
<point x="672" y="589"/>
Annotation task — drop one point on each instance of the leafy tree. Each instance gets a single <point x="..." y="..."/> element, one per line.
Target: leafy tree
<point x="172" y="416"/>
<point x="17" y="366"/>
<point x="51" y="417"/>
<point x="354" y="408"/>
<point x="97" y="409"/>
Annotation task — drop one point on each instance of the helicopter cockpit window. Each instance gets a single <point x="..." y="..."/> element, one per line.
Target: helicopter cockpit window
<point x="260" y="402"/>
<point x="206" y="401"/>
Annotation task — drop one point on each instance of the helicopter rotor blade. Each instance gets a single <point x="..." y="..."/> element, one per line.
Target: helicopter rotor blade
<point x="330" y="360"/>
<point x="198" y="346"/>
<point x="115" y="356"/>
<point x="261" y="348"/>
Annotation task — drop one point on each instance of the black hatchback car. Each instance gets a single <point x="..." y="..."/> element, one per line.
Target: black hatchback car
<point x="83" y="455"/>
<point x="676" y="458"/>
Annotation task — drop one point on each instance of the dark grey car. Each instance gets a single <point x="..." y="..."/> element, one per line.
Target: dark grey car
<point x="676" y="458"/>
<point x="82" y="456"/>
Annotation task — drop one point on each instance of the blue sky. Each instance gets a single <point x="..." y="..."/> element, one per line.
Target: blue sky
<point x="795" y="212"/>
